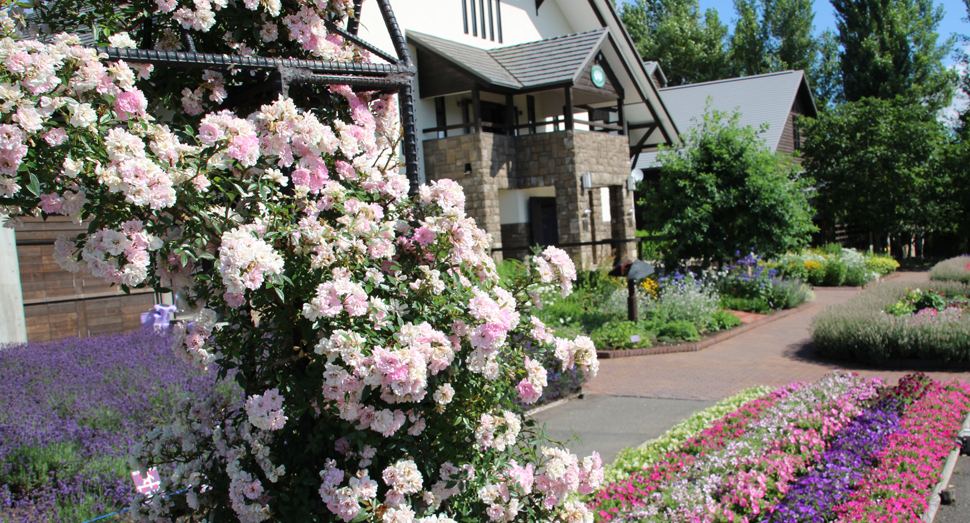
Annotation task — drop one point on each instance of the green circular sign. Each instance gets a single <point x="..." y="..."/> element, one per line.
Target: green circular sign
<point x="598" y="75"/>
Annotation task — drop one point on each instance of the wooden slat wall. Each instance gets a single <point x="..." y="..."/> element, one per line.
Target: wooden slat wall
<point x="58" y="303"/>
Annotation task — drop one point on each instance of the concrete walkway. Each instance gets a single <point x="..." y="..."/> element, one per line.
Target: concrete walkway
<point x="635" y="399"/>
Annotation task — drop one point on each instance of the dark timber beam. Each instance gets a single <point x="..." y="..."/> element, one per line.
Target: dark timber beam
<point x="477" y="109"/>
<point x="569" y="108"/>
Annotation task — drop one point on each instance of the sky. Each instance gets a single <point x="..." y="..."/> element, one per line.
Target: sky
<point x="825" y="16"/>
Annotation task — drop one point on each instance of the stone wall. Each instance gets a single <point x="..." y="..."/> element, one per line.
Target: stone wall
<point x="481" y="164"/>
<point x="516" y="240"/>
<point x="555" y="159"/>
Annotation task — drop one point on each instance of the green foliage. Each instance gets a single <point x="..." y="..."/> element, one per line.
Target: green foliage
<point x="860" y="330"/>
<point x="954" y="269"/>
<point x="678" y="330"/>
<point x="876" y="164"/>
<point x="690" y="48"/>
<point x="890" y="49"/>
<point x="788" y="294"/>
<point x="726" y="189"/>
<point x="618" y="334"/>
<point x="835" y="271"/>
<point x="736" y="303"/>
<point x="724" y="320"/>
<point x="689" y="299"/>
<point x="881" y="264"/>
<point x="634" y="459"/>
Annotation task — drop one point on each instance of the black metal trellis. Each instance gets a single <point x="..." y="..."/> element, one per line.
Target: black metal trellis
<point x="395" y="76"/>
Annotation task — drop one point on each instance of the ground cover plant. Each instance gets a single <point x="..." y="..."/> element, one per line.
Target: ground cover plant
<point x="72" y="411"/>
<point x="796" y="455"/>
<point x="954" y="269"/>
<point x="891" y="320"/>
<point x="379" y="358"/>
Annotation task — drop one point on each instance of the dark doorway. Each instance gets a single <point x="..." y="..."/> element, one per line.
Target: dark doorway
<point x="542" y="216"/>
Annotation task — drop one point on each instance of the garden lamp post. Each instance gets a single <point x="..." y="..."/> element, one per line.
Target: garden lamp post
<point x="638" y="271"/>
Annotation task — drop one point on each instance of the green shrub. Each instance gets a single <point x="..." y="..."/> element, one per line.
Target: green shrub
<point x="678" y="330"/>
<point x="724" y="320"/>
<point x="881" y="264"/>
<point x="856" y="276"/>
<point x="634" y="459"/>
<point x="954" y="269"/>
<point x="831" y="249"/>
<point x="835" y="272"/>
<point x="788" y="294"/>
<point x="756" y="305"/>
<point x="690" y="300"/>
<point x="859" y="330"/>
<point x="618" y="334"/>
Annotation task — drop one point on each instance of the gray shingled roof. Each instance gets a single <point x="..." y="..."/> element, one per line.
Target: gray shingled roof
<point x="766" y="98"/>
<point x="529" y="65"/>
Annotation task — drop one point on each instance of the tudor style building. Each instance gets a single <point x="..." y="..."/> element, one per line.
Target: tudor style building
<point x="534" y="107"/>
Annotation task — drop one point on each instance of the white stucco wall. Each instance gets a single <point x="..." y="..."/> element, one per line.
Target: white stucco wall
<point x="514" y="203"/>
<point x="444" y="18"/>
<point x="13" y="327"/>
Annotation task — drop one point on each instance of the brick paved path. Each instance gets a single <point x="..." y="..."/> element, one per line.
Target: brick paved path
<point x="773" y="354"/>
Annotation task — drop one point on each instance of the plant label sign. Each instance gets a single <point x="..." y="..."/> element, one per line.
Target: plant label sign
<point x="147" y="484"/>
<point x="635" y="338"/>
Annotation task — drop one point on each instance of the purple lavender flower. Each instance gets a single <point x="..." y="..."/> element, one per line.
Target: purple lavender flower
<point x="70" y="412"/>
<point x="842" y="466"/>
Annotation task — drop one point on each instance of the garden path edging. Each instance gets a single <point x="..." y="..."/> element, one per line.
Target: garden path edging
<point x="951" y="463"/>
<point x="696" y="346"/>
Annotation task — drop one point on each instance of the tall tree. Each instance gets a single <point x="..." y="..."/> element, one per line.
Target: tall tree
<point x="789" y="25"/>
<point x="825" y="75"/>
<point x="889" y="48"/>
<point x="689" y="47"/>
<point x="749" y="43"/>
<point x="877" y="164"/>
<point x="726" y="190"/>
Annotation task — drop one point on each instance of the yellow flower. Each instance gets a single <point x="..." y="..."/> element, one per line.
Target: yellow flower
<point x="650" y="287"/>
<point x="811" y="265"/>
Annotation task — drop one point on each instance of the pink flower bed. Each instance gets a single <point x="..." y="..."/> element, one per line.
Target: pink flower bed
<point x="741" y="471"/>
<point x="632" y="492"/>
<point x="898" y="488"/>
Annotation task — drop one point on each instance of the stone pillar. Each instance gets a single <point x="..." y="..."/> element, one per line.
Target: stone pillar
<point x="13" y="325"/>
<point x="481" y="164"/>
<point x="624" y="221"/>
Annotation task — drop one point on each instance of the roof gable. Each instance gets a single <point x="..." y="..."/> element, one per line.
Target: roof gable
<point x="761" y="99"/>
<point x="531" y="65"/>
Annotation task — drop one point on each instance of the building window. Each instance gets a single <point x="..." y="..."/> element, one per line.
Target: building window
<point x="483" y="18"/>
<point x="795" y="133"/>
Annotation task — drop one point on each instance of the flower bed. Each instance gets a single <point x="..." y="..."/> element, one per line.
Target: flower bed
<point x="954" y="269"/>
<point x="840" y="448"/>
<point x="861" y="330"/>
<point x="834" y="266"/>
<point x="630" y="460"/>
<point x="72" y="410"/>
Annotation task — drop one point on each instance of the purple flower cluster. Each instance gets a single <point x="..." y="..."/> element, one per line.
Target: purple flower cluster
<point x="71" y="410"/>
<point x="850" y="456"/>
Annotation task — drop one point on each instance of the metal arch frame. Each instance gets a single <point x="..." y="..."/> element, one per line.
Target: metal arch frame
<point x="395" y="76"/>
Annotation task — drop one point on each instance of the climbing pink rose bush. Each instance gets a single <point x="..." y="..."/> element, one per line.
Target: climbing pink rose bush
<point x="378" y="355"/>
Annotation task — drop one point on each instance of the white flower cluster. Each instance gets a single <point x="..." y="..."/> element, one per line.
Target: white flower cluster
<point x="244" y="262"/>
<point x="266" y="411"/>
<point x="498" y="432"/>
<point x="555" y="265"/>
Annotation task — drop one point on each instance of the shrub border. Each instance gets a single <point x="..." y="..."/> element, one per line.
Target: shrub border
<point x="696" y="346"/>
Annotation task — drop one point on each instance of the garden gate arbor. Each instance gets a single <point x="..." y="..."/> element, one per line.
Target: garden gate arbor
<point x="394" y="76"/>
